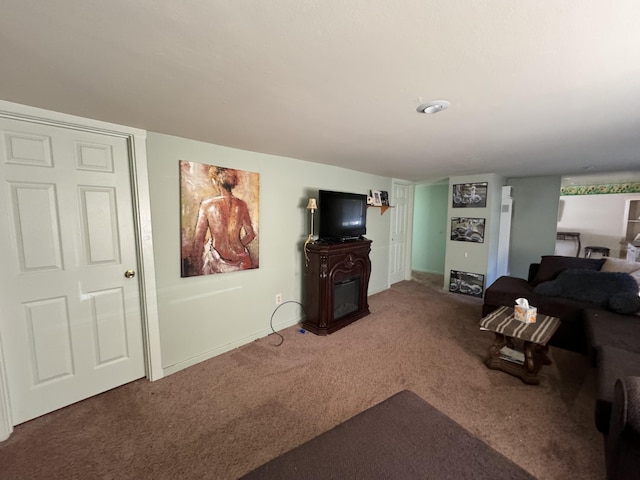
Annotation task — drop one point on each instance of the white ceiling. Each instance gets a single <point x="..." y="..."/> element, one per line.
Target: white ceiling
<point x="543" y="87"/>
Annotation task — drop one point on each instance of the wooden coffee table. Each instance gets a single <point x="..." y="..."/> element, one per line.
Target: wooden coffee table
<point x="509" y="332"/>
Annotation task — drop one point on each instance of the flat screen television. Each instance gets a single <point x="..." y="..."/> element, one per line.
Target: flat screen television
<point x="343" y="216"/>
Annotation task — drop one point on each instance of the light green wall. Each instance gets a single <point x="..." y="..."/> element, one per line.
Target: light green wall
<point x="201" y="317"/>
<point x="534" y="221"/>
<point x="207" y="315"/>
<point x="429" y="228"/>
<point x="470" y="256"/>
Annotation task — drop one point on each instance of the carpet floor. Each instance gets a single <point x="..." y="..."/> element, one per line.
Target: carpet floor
<point x="223" y="417"/>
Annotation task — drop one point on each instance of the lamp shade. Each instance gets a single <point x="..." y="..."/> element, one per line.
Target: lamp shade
<point x="312" y="205"/>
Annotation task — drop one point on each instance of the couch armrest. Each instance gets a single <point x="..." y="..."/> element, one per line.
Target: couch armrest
<point x="623" y="442"/>
<point x="533" y="270"/>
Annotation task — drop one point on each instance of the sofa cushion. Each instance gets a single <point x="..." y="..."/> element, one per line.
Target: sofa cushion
<point x="612" y="363"/>
<point x="505" y="290"/>
<point x="616" y="291"/>
<point x="608" y="328"/>
<point x="570" y="335"/>
<point x="552" y="265"/>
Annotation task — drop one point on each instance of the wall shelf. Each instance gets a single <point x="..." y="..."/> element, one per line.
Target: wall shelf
<point x="383" y="208"/>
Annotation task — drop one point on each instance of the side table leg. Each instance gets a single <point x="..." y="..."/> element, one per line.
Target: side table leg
<point x="543" y="353"/>
<point x="526" y="372"/>
<point x="529" y="358"/>
<point x="531" y="366"/>
<point x="494" y="350"/>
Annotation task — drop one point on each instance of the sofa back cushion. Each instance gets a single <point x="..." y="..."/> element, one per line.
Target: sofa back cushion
<point x="552" y="265"/>
<point x="622" y="265"/>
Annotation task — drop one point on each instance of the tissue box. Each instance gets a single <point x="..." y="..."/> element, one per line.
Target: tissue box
<point x="525" y="314"/>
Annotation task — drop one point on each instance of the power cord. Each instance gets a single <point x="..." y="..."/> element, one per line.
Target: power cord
<point x="304" y="247"/>
<point x="274" y="312"/>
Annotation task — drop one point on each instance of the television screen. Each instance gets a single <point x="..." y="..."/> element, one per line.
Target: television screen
<point x="343" y="216"/>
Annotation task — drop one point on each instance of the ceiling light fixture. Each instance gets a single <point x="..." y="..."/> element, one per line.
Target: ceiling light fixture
<point x="432" y="107"/>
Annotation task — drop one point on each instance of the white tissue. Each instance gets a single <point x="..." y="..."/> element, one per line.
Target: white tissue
<point x="524" y="312"/>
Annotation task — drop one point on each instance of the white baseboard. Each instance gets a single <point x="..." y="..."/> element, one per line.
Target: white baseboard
<point x="423" y="270"/>
<point x="168" y="370"/>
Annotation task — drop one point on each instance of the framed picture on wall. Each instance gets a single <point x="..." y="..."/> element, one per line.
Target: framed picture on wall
<point x="465" y="229"/>
<point x="466" y="283"/>
<point x="469" y="195"/>
<point x="376" y="195"/>
<point x="219" y="224"/>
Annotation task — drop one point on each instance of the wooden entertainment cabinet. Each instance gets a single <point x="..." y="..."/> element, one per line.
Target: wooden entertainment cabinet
<point x="337" y="279"/>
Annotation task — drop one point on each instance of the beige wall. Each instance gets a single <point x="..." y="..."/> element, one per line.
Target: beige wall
<point x="599" y="219"/>
<point x="204" y="316"/>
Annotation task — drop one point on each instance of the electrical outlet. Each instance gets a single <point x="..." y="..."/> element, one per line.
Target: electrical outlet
<point x="278" y="298"/>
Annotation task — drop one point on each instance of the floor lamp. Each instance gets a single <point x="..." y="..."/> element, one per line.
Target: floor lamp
<point x="312" y="206"/>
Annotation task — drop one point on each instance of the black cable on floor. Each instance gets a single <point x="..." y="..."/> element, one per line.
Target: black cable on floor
<point x="274" y="312"/>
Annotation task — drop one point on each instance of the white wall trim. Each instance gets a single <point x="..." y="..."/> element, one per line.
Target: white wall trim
<point x="142" y="211"/>
<point x="6" y="422"/>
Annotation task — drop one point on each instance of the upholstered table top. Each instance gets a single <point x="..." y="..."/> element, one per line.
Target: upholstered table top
<point x="502" y="321"/>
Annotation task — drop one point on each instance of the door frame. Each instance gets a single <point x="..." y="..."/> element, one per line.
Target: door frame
<point x="136" y="141"/>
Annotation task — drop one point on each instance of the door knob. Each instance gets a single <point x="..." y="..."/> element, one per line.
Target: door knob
<point x="129" y="274"/>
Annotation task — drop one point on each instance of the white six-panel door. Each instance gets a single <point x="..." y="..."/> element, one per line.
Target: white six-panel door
<point x="399" y="254"/>
<point x="71" y="321"/>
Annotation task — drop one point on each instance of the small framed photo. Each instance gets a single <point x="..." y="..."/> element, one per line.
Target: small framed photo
<point x="377" y="198"/>
<point x="384" y="198"/>
<point x="464" y="229"/>
<point x="469" y="195"/>
<point x="466" y="283"/>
